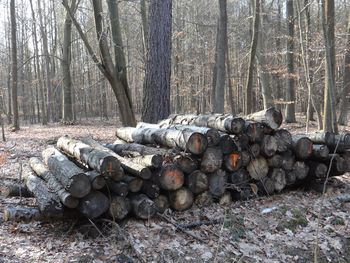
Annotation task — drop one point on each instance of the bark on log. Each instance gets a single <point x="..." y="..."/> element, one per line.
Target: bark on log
<point x="96" y="179"/>
<point x="187" y="164"/>
<point x="258" y="168"/>
<point x="162" y="203"/>
<point x="271" y="117"/>
<point x="119" y="207"/>
<point x="181" y="199"/>
<point x="275" y="161"/>
<point x="104" y="163"/>
<point x="254" y="131"/>
<point x="170" y="177"/>
<point x="197" y="182"/>
<point x="233" y="161"/>
<point x="143" y="207"/>
<point x="278" y="176"/>
<point x="134" y="183"/>
<point x="268" y="146"/>
<point x="11" y="188"/>
<point x="302" y="147"/>
<point x="53" y="184"/>
<point x="217" y="183"/>
<point x="211" y="160"/>
<point x="227" y="144"/>
<point x="47" y="202"/>
<point x="150" y="189"/>
<point x="319" y="152"/>
<point x="119" y="148"/>
<point x="93" y="205"/>
<point x="239" y="177"/>
<point x="284" y="140"/>
<point x="68" y="174"/>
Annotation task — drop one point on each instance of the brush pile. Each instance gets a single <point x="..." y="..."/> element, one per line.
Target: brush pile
<point x="180" y="161"/>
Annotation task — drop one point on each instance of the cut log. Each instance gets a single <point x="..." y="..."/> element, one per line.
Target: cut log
<point x="47" y="202"/>
<point x="197" y="182"/>
<point x="291" y="178"/>
<point x="204" y="199"/>
<point x="245" y="157"/>
<point x="233" y="161"/>
<point x="227" y="144"/>
<point x="193" y="142"/>
<point x="127" y="164"/>
<point x="258" y="168"/>
<point x="239" y="177"/>
<point x="339" y="165"/>
<point x="284" y="140"/>
<point x="325" y="138"/>
<point x="268" y="146"/>
<point x="162" y="203"/>
<point x="72" y="178"/>
<point x="217" y="183"/>
<point x="96" y="179"/>
<point x="143" y="207"/>
<point x="301" y="170"/>
<point x="93" y="205"/>
<point x="187" y="164"/>
<point x="225" y="199"/>
<point x="10" y="188"/>
<point x="150" y="189"/>
<point x="266" y="186"/>
<point x="53" y="184"/>
<point x="119" y="207"/>
<point x="170" y="177"/>
<point x="134" y="183"/>
<point x="275" y="161"/>
<point x="181" y="199"/>
<point x="254" y="131"/>
<point x="119" y="188"/>
<point x="278" y="176"/>
<point x="242" y="141"/>
<point x="317" y="170"/>
<point x="319" y="152"/>
<point x="244" y="192"/>
<point x="271" y="117"/>
<point x="288" y="161"/>
<point x="254" y="150"/>
<point x="302" y="147"/>
<point x="101" y="161"/>
<point x="211" y="160"/>
<point x="119" y="147"/>
<point x="343" y="145"/>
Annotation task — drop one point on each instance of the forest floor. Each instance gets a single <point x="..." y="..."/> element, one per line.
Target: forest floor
<point x="279" y="228"/>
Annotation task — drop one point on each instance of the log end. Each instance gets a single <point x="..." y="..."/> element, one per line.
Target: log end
<point x="197" y="143"/>
<point x="182" y="199"/>
<point x="171" y="177"/>
<point x="274" y="118"/>
<point x="80" y="185"/>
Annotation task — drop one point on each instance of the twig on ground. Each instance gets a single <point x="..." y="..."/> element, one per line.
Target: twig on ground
<point x="201" y="223"/>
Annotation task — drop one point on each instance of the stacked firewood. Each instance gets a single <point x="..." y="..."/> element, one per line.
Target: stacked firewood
<point x="182" y="160"/>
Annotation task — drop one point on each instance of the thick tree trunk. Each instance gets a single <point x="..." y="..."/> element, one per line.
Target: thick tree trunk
<point x="275" y="161"/>
<point x="188" y="164"/>
<point x="227" y="144"/>
<point x="151" y="189"/>
<point x="284" y="140"/>
<point x="254" y="131"/>
<point x="317" y="170"/>
<point x="162" y="203"/>
<point x="319" y="152"/>
<point x="239" y="177"/>
<point x="217" y="183"/>
<point x="68" y="174"/>
<point x="96" y="179"/>
<point x="327" y="138"/>
<point x="302" y="147"/>
<point x="271" y="117"/>
<point x="93" y="205"/>
<point x="119" y="188"/>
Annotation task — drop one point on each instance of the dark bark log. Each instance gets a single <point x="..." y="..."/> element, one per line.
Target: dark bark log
<point x="227" y="144"/>
<point x="134" y="183"/>
<point x="217" y="183"/>
<point x="197" y="182"/>
<point x="96" y="179"/>
<point x="339" y="164"/>
<point x="68" y="174"/>
<point x="254" y="131"/>
<point x="284" y="140"/>
<point x="317" y="170"/>
<point x="291" y="178"/>
<point x="10" y="188"/>
<point x="93" y="205"/>
<point x="278" y="176"/>
<point x="187" y="164"/>
<point x="119" y="188"/>
<point x="52" y="182"/>
<point x="241" y="141"/>
<point x="21" y="214"/>
<point x="268" y="146"/>
<point x="258" y="168"/>
<point x="47" y="201"/>
<point x="101" y="161"/>
<point x="239" y="177"/>
<point x="150" y="189"/>
<point x="288" y="161"/>
<point x="275" y="161"/>
<point x="271" y="117"/>
<point x="302" y="147"/>
<point x="344" y="143"/>
<point x="327" y="138"/>
<point x="254" y="150"/>
<point x="204" y="199"/>
<point x="245" y="157"/>
<point x="119" y="207"/>
<point x="162" y="203"/>
<point x="233" y="161"/>
<point x="170" y="177"/>
<point x="181" y="199"/>
<point x="211" y="160"/>
<point x="266" y="186"/>
<point x="319" y="152"/>
<point x="143" y="207"/>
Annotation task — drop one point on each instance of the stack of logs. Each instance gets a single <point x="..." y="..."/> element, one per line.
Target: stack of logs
<point x="182" y="160"/>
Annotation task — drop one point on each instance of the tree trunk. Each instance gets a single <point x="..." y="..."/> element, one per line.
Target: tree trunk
<point x="271" y="117"/>
<point x="121" y="147"/>
<point x="134" y="183"/>
<point x="156" y="94"/>
<point x="162" y="203"/>
<point x="217" y="183"/>
<point x="232" y="161"/>
<point x="278" y="176"/>
<point x="319" y="152"/>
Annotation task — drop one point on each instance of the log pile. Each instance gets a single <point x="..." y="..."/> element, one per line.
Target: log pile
<point x="180" y="161"/>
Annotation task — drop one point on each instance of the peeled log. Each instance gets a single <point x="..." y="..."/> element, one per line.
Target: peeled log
<point x="258" y="168"/>
<point x="47" y="202"/>
<point x="101" y="161"/>
<point x="93" y="205"/>
<point x="217" y="183"/>
<point x="211" y="160"/>
<point x="302" y="147"/>
<point x="233" y="161"/>
<point x="181" y="199"/>
<point x="72" y="178"/>
<point x="119" y="207"/>
<point x="10" y="188"/>
<point x="284" y="140"/>
<point x="143" y="207"/>
<point x="271" y="117"/>
<point x="268" y="146"/>
<point x="53" y="184"/>
<point x="197" y="182"/>
<point x="278" y="176"/>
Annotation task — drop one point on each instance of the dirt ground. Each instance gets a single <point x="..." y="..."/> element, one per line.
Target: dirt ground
<point x="279" y="228"/>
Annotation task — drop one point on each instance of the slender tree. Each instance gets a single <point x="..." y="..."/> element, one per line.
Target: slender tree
<point x="156" y="94"/>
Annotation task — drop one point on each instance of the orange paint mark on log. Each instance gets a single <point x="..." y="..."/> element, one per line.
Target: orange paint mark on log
<point x="110" y="168"/>
<point x="197" y="143"/>
<point x="175" y="176"/>
<point x="234" y="159"/>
